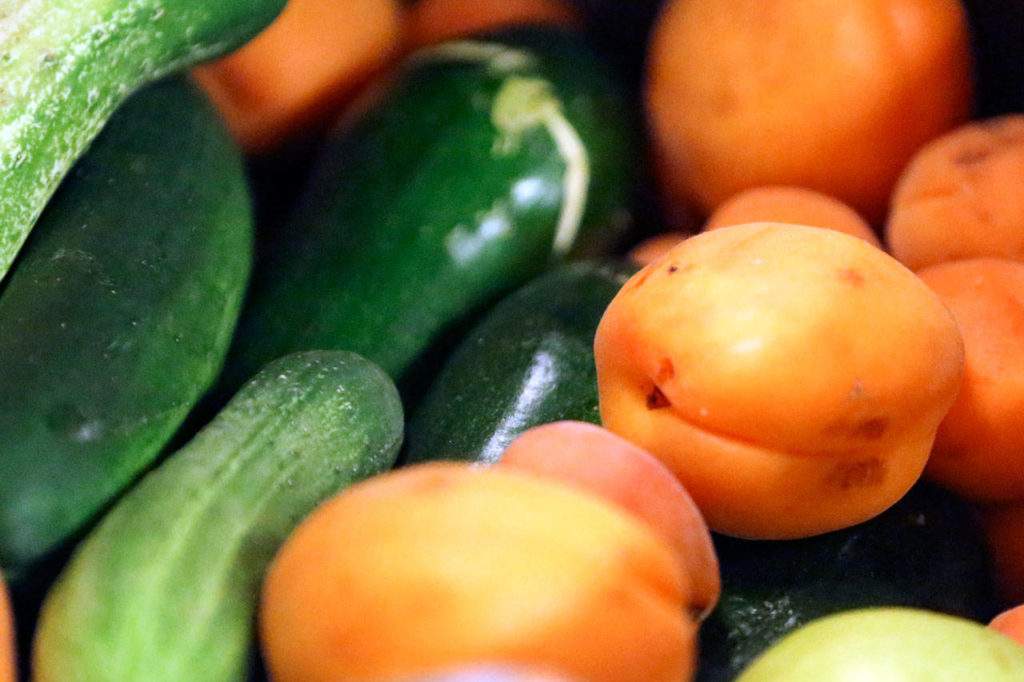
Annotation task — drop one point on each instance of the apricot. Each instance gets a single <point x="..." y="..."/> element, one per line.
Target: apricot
<point x="833" y="96"/>
<point x="296" y="75"/>
<point x="1010" y="622"/>
<point x="655" y="246"/>
<point x="604" y="463"/>
<point x="797" y="205"/>
<point x="446" y="564"/>
<point x="960" y="196"/>
<point x="435" y="21"/>
<point x="792" y="378"/>
<point x="8" y="647"/>
<point x="979" y="448"/>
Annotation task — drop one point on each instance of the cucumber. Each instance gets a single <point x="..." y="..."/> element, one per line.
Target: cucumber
<point x="529" y="361"/>
<point x="483" y="163"/>
<point x="166" y="586"/>
<point x="926" y="551"/>
<point x="117" y="315"/>
<point x="67" y="64"/>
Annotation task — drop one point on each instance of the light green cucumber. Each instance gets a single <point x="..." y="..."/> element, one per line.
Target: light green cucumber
<point x="65" y="65"/>
<point x="166" y="587"/>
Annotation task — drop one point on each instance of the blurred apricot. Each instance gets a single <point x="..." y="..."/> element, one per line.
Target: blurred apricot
<point x="608" y="465"/>
<point x="833" y="96"/>
<point x="1004" y="531"/>
<point x="654" y="247"/>
<point x="796" y="205"/>
<point x="791" y="377"/>
<point x="436" y="21"/>
<point x="295" y="76"/>
<point x="1010" y="622"/>
<point x="444" y="564"/>
<point x="979" y="448"/>
<point x="960" y="196"/>
<point x="8" y="644"/>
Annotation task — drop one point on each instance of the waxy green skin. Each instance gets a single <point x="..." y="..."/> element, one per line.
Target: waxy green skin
<point x="448" y="192"/>
<point x="65" y="65"/>
<point x="118" y="314"/>
<point x="166" y="587"/>
<point x="528" y="361"/>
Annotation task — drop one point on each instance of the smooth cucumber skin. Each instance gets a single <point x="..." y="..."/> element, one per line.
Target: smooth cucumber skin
<point x="423" y="210"/>
<point x="68" y="64"/>
<point x="926" y="551"/>
<point x="528" y="361"/>
<point x="166" y="587"/>
<point x="117" y="315"/>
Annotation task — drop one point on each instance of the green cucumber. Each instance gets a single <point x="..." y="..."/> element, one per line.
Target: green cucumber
<point x="166" y="587"/>
<point x="529" y="361"/>
<point x="484" y="162"/>
<point x="926" y="551"/>
<point x="117" y="315"/>
<point x="68" y="64"/>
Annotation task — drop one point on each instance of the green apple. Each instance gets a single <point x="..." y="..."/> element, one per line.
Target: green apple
<point x="890" y="645"/>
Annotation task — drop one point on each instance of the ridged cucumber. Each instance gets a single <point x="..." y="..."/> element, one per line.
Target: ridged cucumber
<point x="529" y="361"/>
<point x="483" y="163"/>
<point x="67" y="64"/>
<point x="118" y="314"/>
<point x="165" y="588"/>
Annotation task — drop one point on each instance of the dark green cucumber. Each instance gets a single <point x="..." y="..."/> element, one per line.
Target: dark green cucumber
<point x="117" y="315"/>
<point x="67" y="64"/>
<point x="926" y="551"/>
<point x="529" y="361"/>
<point x="483" y="163"/>
<point x="166" y="587"/>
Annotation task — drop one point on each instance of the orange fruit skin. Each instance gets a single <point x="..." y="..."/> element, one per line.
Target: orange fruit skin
<point x="445" y="564"/>
<point x="979" y="448"/>
<point x="1010" y="622"/>
<point x="8" y="648"/>
<point x="604" y="463"/>
<point x="296" y="75"/>
<point x="796" y="205"/>
<point x="436" y="21"/>
<point x="655" y="246"/>
<point x="792" y="378"/>
<point x="959" y="196"/>
<point x="831" y="96"/>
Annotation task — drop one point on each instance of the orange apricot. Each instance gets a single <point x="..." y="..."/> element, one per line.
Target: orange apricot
<point x="654" y="247"/>
<point x="960" y="196"/>
<point x="1010" y="622"/>
<point x="444" y="564"/>
<point x="295" y="76"/>
<point x="797" y="205"/>
<point x="604" y="463"/>
<point x="979" y="448"/>
<point x="8" y="646"/>
<point x="1004" y="531"/>
<point x="831" y="96"/>
<point x="435" y="21"/>
<point x="791" y="377"/>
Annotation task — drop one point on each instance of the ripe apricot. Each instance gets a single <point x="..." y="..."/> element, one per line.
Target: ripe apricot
<point x="791" y="377"/>
<point x="833" y="96"/>
<point x="979" y="448"/>
<point x="8" y="648"/>
<point x="1004" y="531"/>
<point x="435" y="21"/>
<point x="960" y="196"/>
<point x="296" y="74"/>
<point x="797" y="205"/>
<point x="604" y="463"/>
<point x="654" y="247"/>
<point x="1010" y="622"/>
<point x="444" y="564"/>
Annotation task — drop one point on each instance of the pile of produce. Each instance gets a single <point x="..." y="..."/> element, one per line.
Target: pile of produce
<point x="550" y="340"/>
